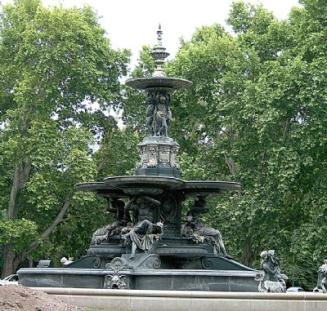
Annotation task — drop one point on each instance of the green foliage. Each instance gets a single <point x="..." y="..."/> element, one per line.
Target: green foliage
<point x="59" y="79"/>
<point x="134" y="101"/>
<point x="256" y="113"/>
<point x="118" y="153"/>
<point x="19" y="232"/>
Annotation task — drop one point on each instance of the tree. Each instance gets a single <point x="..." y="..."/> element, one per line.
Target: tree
<point x="256" y="114"/>
<point x="54" y="65"/>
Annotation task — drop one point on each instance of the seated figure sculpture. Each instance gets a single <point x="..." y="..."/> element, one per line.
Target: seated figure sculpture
<point x="195" y="228"/>
<point x="322" y="279"/>
<point x="145" y="231"/>
<point x="272" y="280"/>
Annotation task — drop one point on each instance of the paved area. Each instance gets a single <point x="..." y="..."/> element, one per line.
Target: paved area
<point x="139" y="300"/>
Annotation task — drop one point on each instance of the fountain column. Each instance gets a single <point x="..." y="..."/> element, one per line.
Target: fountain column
<point x="158" y="151"/>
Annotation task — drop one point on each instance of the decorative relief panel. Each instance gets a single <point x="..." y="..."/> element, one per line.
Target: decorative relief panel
<point x="158" y="152"/>
<point x="164" y="154"/>
<point x="152" y="154"/>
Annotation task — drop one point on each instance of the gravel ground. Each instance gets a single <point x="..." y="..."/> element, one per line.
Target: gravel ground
<point x="20" y="298"/>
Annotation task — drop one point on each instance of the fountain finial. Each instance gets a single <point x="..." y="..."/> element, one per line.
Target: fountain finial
<point x="159" y="35"/>
<point x="159" y="79"/>
<point x="159" y="54"/>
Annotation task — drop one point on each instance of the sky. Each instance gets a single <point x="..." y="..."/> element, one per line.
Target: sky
<point x="133" y="23"/>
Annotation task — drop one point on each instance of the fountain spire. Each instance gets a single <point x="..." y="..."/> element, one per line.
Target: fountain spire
<point x="159" y="54"/>
<point x="159" y="35"/>
<point x="158" y="151"/>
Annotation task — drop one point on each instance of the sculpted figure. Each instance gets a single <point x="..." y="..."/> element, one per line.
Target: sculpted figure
<point x="115" y="281"/>
<point x="188" y="228"/>
<point x="114" y="229"/>
<point x="163" y="115"/>
<point x="272" y="280"/>
<point x="322" y="279"/>
<point x="194" y="227"/>
<point x="150" y="114"/>
<point x="158" y="113"/>
<point x="145" y="231"/>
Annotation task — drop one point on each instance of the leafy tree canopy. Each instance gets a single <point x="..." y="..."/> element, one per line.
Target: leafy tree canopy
<point x="59" y="78"/>
<point x="256" y="113"/>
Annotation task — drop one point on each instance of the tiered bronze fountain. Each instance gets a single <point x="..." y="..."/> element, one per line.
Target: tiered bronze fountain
<point x="148" y="246"/>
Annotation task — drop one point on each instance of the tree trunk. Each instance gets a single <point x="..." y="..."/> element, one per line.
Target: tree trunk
<point x="248" y="253"/>
<point x="12" y="210"/>
<point x="30" y="261"/>
<point x="8" y="261"/>
<point x="21" y="174"/>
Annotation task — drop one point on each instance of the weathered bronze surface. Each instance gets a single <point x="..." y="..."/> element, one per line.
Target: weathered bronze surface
<point x="322" y="279"/>
<point x="148" y="237"/>
<point x="271" y="280"/>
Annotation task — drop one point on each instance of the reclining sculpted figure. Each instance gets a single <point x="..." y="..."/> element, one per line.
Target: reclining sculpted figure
<point x="114" y="229"/>
<point x="145" y="231"/>
<point x="194" y="227"/>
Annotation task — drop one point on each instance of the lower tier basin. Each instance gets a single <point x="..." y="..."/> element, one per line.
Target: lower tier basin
<point x="158" y="279"/>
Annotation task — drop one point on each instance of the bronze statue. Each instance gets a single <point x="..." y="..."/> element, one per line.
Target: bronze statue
<point x="322" y="279"/>
<point x="271" y="280"/>
<point x="158" y="113"/>
<point x="150" y="113"/>
<point x="117" y="207"/>
<point x="163" y="115"/>
<point x="195" y="228"/>
<point x="145" y="231"/>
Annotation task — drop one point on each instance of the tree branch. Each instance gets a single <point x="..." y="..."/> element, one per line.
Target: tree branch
<point x="46" y="233"/>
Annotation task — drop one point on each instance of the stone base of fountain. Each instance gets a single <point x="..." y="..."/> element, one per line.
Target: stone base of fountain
<point x="159" y="279"/>
<point x="147" y="272"/>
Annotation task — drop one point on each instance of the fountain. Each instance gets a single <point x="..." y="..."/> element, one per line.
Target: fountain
<point x="148" y="246"/>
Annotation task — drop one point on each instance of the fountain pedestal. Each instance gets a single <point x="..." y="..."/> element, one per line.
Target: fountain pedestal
<point x="158" y="157"/>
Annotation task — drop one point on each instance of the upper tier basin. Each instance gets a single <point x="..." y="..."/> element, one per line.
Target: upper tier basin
<point x="158" y="82"/>
<point x="155" y="185"/>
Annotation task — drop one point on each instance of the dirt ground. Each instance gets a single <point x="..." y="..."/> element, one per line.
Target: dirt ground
<point x="20" y="298"/>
